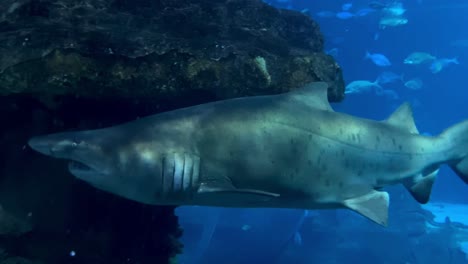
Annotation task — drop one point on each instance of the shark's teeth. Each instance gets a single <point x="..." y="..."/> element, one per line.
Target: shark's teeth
<point x="78" y="166"/>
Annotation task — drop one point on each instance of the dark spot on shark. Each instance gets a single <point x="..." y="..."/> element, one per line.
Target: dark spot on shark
<point x="346" y="163"/>
<point x="324" y="167"/>
<point x="394" y="141"/>
<point x="342" y="153"/>
<point x="353" y="137"/>
<point x="309" y="162"/>
<point x="294" y="147"/>
<point x="360" y="173"/>
<point x="310" y="137"/>
<point x="341" y="131"/>
<point x="319" y="176"/>
<point x="358" y="137"/>
<point x="377" y="138"/>
<point x="400" y="147"/>
<point x="340" y="184"/>
<point x="327" y="183"/>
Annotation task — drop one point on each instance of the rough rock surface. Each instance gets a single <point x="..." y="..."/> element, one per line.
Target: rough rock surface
<point x="87" y="64"/>
<point x="134" y="49"/>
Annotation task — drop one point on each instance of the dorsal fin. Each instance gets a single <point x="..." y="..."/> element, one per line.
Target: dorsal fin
<point x="314" y="94"/>
<point x="403" y="118"/>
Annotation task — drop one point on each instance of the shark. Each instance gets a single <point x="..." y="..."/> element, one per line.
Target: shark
<point x="289" y="150"/>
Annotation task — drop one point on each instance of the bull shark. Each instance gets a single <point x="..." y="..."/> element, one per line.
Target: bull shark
<point x="289" y="150"/>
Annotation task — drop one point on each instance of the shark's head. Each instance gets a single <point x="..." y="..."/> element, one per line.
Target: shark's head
<point x="108" y="159"/>
<point x="89" y="159"/>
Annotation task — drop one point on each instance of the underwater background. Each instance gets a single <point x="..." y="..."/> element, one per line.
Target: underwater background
<point x="433" y="233"/>
<point x="78" y="65"/>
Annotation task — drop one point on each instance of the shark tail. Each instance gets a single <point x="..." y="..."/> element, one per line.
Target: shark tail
<point x="455" y="140"/>
<point x="461" y="169"/>
<point x="456" y="137"/>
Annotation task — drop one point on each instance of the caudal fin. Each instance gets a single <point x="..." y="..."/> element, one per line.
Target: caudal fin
<point x="456" y="138"/>
<point x="461" y="169"/>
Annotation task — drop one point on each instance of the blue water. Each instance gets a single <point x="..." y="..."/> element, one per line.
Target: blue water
<point x="290" y="236"/>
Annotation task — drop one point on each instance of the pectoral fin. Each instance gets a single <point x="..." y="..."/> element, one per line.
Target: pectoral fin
<point x="226" y="191"/>
<point x="373" y="205"/>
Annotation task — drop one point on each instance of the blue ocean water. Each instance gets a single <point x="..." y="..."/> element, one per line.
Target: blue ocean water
<point x="414" y="235"/>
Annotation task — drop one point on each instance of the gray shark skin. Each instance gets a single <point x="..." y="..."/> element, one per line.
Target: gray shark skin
<point x="285" y="151"/>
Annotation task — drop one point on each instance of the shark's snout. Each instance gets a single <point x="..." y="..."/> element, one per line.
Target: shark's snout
<point x="84" y="156"/>
<point x="40" y="145"/>
<point x="59" y="145"/>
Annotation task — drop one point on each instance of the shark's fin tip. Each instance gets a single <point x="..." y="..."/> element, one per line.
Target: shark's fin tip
<point x="373" y="205"/>
<point x="403" y="118"/>
<point x="421" y="188"/>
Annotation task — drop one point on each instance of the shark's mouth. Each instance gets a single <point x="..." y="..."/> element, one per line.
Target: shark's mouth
<point x="78" y="167"/>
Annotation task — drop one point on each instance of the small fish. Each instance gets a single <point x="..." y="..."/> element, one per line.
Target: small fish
<point x="334" y="52"/>
<point x="419" y="58"/>
<point x="346" y="6"/>
<point x="414" y="84"/>
<point x="389" y="77"/>
<point x="378" y="59"/>
<point x="395" y="10"/>
<point x="377" y="5"/>
<point x="298" y="239"/>
<point x="376" y="36"/>
<point x="344" y="15"/>
<point x="361" y="86"/>
<point x="439" y="64"/>
<point x="325" y="14"/>
<point x="364" y="12"/>
<point x="392" y="22"/>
